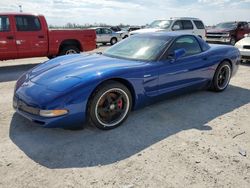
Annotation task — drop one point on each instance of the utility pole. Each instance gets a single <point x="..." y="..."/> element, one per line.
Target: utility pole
<point x="20" y="8"/>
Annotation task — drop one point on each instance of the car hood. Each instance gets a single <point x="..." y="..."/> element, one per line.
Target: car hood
<point x="147" y="30"/>
<point x="65" y="72"/>
<point x="219" y="30"/>
<point x="244" y="41"/>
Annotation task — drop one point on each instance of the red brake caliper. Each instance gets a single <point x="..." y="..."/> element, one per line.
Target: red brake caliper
<point x="119" y="104"/>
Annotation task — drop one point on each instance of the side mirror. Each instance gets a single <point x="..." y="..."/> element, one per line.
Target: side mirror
<point x="176" y="27"/>
<point x="179" y="53"/>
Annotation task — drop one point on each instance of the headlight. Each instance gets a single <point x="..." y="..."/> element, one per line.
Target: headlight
<point x="247" y="35"/>
<point x="227" y="35"/>
<point x="52" y="113"/>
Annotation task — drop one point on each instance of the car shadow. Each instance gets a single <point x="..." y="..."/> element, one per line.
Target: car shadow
<point x="58" y="148"/>
<point x="12" y="73"/>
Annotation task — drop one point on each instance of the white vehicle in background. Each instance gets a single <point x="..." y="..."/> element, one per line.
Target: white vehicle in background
<point x="244" y="47"/>
<point x="105" y="35"/>
<point x="184" y="24"/>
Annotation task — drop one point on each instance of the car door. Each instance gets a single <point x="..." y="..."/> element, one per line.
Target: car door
<point x="31" y="40"/>
<point x="8" y="48"/>
<point x="99" y="35"/>
<point x="183" y="26"/>
<point x="190" y="70"/>
<point x="107" y="34"/>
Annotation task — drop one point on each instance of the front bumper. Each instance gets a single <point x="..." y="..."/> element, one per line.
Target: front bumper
<point x="245" y="54"/>
<point x="75" y="118"/>
<point x="219" y="40"/>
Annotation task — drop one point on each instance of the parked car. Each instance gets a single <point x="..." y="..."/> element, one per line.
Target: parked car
<point x="103" y="88"/>
<point x="244" y="47"/>
<point x="185" y="25"/>
<point x="133" y="28"/>
<point x="27" y="35"/>
<point x="123" y="33"/>
<point x="105" y="35"/>
<point x="115" y="28"/>
<point x="227" y="32"/>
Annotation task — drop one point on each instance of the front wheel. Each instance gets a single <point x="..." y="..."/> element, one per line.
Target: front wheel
<point x="110" y="105"/>
<point x="222" y="77"/>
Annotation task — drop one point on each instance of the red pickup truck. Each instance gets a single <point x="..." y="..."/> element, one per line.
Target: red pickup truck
<point x="27" y="35"/>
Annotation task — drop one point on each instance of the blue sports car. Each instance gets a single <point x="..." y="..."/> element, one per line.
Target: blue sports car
<point x="103" y="88"/>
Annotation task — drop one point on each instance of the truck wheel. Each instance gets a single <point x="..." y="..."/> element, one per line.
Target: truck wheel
<point x="69" y="50"/>
<point x="50" y="57"/>
<point x="233" y="41"/>
<point x="113" y="41"/>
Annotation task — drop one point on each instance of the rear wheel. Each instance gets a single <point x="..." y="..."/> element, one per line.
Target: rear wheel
<point x="113" y="41"/>
<point x="222" y="77"/>
<point x="110" y="105"/>
<point x="69" y="50"/>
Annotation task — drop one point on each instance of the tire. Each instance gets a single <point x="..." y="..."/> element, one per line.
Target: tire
<point x="233" y="41"/>
<point x="104" y="43"/>
<point x="113" y="41"/>
<point x="109" y="106"/>
<point x="69" y="50"/>
<point x="126" y="36"/>
<point x="50" y="57"/>
<point x="222" y="77"/>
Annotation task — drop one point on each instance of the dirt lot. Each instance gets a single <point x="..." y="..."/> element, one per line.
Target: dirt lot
<point x="193" y="140"/>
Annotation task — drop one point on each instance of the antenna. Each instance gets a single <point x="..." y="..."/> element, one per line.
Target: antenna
<point x="20" y="8"/>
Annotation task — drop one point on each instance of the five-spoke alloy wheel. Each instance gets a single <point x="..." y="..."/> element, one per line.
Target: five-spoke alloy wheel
<point x="222" y="77"/>
<point x="110" y="105"/>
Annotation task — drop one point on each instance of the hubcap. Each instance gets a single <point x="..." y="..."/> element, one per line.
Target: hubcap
<point x="70" y="52"/>
<point x="112" y="107"/>
<point x="224" y="77"/>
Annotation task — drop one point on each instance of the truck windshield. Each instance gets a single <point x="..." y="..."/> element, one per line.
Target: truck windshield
<point x="162" y="24"/>
<point x="138" y="48"/>
<point x="226" y="25"/>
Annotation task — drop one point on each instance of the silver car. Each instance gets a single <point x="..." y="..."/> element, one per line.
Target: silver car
<point x="106" y="35"/>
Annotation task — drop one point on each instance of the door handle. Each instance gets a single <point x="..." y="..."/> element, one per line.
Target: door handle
<point x="41" y="37"/>
<point x="205" y="58"/>
<point x="10" y="37"/>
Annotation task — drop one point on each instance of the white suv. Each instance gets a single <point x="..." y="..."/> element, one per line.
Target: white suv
<point x="184" y="25"/>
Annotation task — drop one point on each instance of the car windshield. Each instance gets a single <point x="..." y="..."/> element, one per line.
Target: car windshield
<point x="162" y="24"/>
<point x="143" y="48"/>
<point x="226" y="25"/>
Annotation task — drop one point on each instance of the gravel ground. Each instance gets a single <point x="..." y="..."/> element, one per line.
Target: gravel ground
<point x="195" y="140"/>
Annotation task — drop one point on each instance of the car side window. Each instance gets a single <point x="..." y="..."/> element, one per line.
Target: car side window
<point x="187" y="25"/>
<point x="189" y="43"/>
<point x="27" y="23"/>
<point x="4" y="24"/>
<point x="199" y="24"/>
<point x="98" y="31"/>
<point x="177" y="26"/>
<point x="107" y="31"/>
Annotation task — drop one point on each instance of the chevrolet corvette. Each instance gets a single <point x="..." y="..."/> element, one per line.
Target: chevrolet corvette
<point x="103" y="88"/>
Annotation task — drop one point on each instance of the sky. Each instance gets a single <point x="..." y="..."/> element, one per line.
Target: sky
<point x="133" y="12"/>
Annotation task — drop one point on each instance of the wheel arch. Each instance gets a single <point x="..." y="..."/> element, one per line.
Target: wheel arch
<point x="70" y="42"/>
<point x="123" y="81"/>
<point x="227" y="60"/>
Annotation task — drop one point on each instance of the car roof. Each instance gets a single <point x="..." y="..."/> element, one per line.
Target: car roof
<point x="18" y="13"/>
